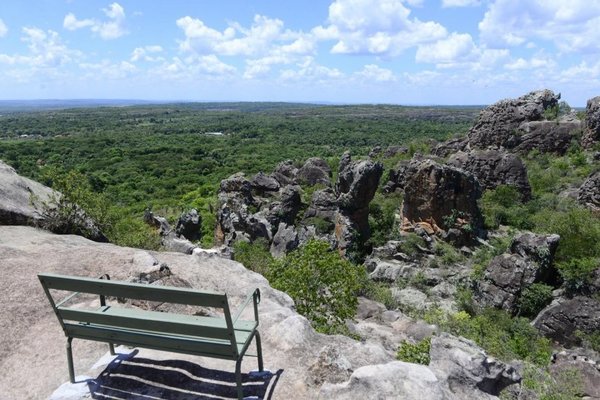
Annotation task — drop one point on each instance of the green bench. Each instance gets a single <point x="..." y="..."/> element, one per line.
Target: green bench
<point x="227" y="337"/>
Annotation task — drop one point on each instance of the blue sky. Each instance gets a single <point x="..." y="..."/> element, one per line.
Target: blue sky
<point x="350" y="51"/>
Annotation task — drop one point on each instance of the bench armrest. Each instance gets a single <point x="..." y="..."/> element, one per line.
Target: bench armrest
<point x="255" y="297"/>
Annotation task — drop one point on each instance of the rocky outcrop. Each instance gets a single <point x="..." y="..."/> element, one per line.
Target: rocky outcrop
<point x="545" y="136"/>
<point x="494" y="168"/>
<point x="587" y="368"/>
<point x="285" y="240"/>
<point x="591" y="133"/>
<point x="26" y="202"/>
<point x="498" y="123"/>
<point x="355" y="187"/>
<point x="314" y="171"/>
<point x="529" y="260"/>
<point x="189" y="225"/>
<point x="450" y="147"/>
<point x="285" y="173"/>
<point x="589" y="192"/>
<point x="323" y="207"/>
<point x="398" y="176"/>
<point x="440" y="194"/>
<point x="561" y="320"/>
<point x="467" y="370"/>
<point x="169" y="239"/>
<point x="307" y="364"/>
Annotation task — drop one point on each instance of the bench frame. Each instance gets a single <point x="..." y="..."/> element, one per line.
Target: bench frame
<point x="224" y="338"/>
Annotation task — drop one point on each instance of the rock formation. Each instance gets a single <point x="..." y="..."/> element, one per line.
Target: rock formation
<point x="26" y="202"/>
<point x="189" y="225"/>
<point x="589" y="192"/>
<point x="497" y="124"/>
<point x="545" y="136"/>
<point x="591" y="134"/>
<point x="529" y="260"/>
<point x="440" y="195"/>
<point x="315" y="171"/>
<point x="494" y="168"/>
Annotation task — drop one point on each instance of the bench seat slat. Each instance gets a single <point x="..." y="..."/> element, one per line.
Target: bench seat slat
<point x="147" y="339"/>
<point x="134" y="290"/>
<point x="209" y="327"/>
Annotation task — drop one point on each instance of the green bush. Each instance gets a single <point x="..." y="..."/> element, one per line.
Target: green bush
<point x="382" y="218"/>
<point x="324" y="285"/>
<point x="448" y="253"/>
<point x="410" y="244"/>
<point x="417" y="353"/>
<point x="379" y="292"/>
<point x="498" y="333"/>
<point x="503" y="206"/>
<point x="577" y="273"/>
<point x="255" y="256"/>
<point x="534" y="298"/>
<point x="566" y="384"/>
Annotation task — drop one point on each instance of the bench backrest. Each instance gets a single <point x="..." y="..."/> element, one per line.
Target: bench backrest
<point x="137" y="291"/>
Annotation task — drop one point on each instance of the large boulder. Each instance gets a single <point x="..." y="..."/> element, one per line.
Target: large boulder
<point x="591" y="132"/>
<point x="285" y="172"/>
<point x="466" y="370"/>
<point x="589" y="192"/>
<point x="450" y="147"/>
<point x="436" y="193"/>
<point x="322" y="210"/>
<point x="494" y="168"/>
<point x="587" y="368"/>
<point x="398" y="176"/>
<point x="189" y="225"/>
<point x="26" y="202"/>
<point x="498" y="123"/>
<point x="263" y="184"/>
<point x="315" y="171"/>
<point x="561" y="320"/>
<point x="529" y="260"/>
<point x="545" y="136"/>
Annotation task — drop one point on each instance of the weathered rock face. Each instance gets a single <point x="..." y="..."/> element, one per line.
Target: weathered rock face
<point x="591" y="133"/>
<point x="170" y="240"/>
<point x="355" y="187"/>
<point x="324" y="206"/>
<point x="494" y="168"/>
<point x="560" y="321"/>
<point x="463" y="366"/>
<point x="284" y="241"/>
<point x="436" y="192"/>
<point x="314" y="171"/>
<point x="189" y="225"/>
<point x="528" y="261"/>
<point x="285" y="172"/>
<point x="398" y="176"/>
<point x="589" y="193"/>
<point x="22" y="203"/>
<point x="545" y="136"/>
<point x="450" y="147"/>
<point x="588" y="369"/>
<point x="262" y="184"/>
<point x="497" y="124"/>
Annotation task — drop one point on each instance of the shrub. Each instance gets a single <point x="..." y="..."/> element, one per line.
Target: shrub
<point x="323" y="285"/>
<point x="503" y="206"/>
<point x="534" y="298"/>
<point x="382" y="218"/>
<point x="379" y="292"/>
<point x="577" y="273"/>
<point x="417" y="353"/>
<point x="410" y="244"/>
<point x="448" y="253"/>
<point x="255" y="256"/>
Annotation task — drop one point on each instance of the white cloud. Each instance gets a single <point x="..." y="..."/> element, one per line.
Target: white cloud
<point x="112" y="28"/>
<point x="581" y="73"/>
<point x="573" y="26"/>
<point x="460" y="3"/>
<point x="372" y="72"/>
<point x="456" y="47"/>
<point x="382" y="27"/>
<point x="535" y="62"/>
<point x="3" y="28"/>
<point x="144" y="53"/>
<point x="108" y="70"/>
<point x="310" y="71"/>
<point x="193" y="67"/>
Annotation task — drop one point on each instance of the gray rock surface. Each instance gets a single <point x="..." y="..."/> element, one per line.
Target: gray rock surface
<point x="494" y="168"/>
<point x="591" y="133"/>
<point x="309" y="364"/>
<point x="589" y="192"/>
<point x="560" y="320"/>
<point x="189" y="225"/>
<point x="450" y="147"/>
<point x="463" y="367"/>
<point x="529" y="260"/>
<point x="314" y="171"/>
<point x="26" y="202"/>
<point x="285" y="173"/>
<point x="545" y="136"/>
<point x="284" y="241"/>
<point x="497" y="124"/>
<point x="587" y="367"/>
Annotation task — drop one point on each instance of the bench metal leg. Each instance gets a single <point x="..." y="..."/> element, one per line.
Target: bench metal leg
<point x="238" y="379"/>
<point x="111" y="347"/>
<point x="70" y="360"/>
<point x="259" y="352"/>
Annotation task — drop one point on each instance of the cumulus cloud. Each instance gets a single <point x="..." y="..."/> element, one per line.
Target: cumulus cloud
<point x="374" y="73"/>
<point x="535" y="62"/>
<point x="311" y="71"/>
<point x="455" y="47"/>
<point x="460" y="3"/>
<point x="112" y="28"/>
<point x="146" y="53"/>
<point x="382" y="27"/>
<point x="3" y="28"/>
<point x="572" y="26"/>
